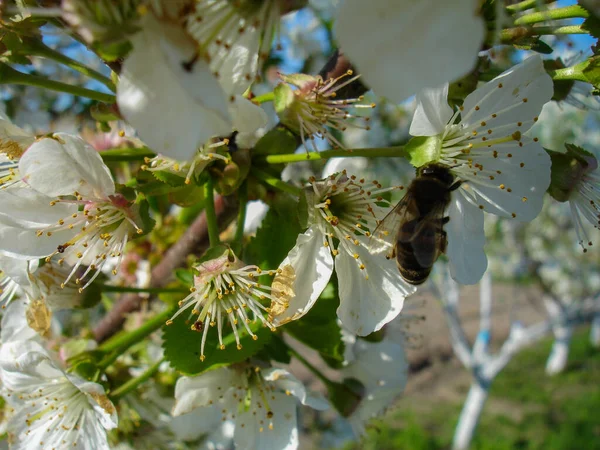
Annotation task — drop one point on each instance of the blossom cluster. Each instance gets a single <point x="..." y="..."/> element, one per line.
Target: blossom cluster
<point x="136" y="230"/>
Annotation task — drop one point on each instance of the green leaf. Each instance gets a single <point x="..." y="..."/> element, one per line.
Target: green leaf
<point x="187" y="195"/>
<point x="91" y="296"/>
<point x="169" y="178"/>
<point x="276" y="236"/>
<point x="591" y="25"/>
<point x="182" y="346"/>
<point x="276" y="350"/>
<point x="185" y="276"/>
<point x="534" y="44"/>
<point x="279" y="140"/>
<point x="592" y="71"/>
<point x="148" y="222"/>
<point x="319" y="328"/>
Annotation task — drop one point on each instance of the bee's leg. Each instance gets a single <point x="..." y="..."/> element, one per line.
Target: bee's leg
<point x="455" y="185"/>
<point x="392" y="253"/>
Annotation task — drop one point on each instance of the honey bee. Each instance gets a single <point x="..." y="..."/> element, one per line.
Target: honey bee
<point x="417" y="223"/>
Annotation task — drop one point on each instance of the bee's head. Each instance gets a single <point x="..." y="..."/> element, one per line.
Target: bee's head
<point x="437" y="171"/>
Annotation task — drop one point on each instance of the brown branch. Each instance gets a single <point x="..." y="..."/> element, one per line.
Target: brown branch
<point x="194" y="238"/>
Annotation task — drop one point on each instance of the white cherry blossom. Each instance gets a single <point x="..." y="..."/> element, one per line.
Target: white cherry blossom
<point x="576" y="180"/>
<point x="382" y="369"/>
<point x="236" y="37"/>
<point x="483" y="144"/>
<point x="13" y="276"/>
<point x="164" y="81"/>
<point x="187" y="169"/>
<point x="313" y="110"/>
<point x="225" y="290"/>
<point x="52" y="409"/>
<point x="341" y="212"/>
<point x="261" y="402"/>
<point x="386" y="40"/>
<point x="69" y="208"/>
<point x="13" y="142"/>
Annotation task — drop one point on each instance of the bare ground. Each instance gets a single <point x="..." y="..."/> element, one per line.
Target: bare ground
<point x="435" y="373"/>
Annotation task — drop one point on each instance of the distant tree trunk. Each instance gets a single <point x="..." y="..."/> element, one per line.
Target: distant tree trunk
<point x="595" y="331"/>
<point x="470" y="414"/>
<point x="562" y="330"/>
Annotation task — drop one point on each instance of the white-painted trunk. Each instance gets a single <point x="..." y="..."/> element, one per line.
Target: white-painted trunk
<point x="557" y="361"/>
<point x="469" y="416"/>
<point x="595" y="331"/>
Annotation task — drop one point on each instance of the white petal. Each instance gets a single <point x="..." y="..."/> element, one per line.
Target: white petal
<point x="23" y="211"/>
<point x="466" y="239"/>
<point x="192" y="425"/>
<point x="247" y="117"/>
<point x="12" y="133"/>
<point x="14" y="324"/>
<point x="26" y="208"/>
<point x="383" y="370"/>
<point x="15" y="269"/>
<point x="368" y="303"/>
<point x="237" y="62"/>
<point x="313" y="265"/>
<point x="282" y="436"/>
<point x="195" y="392"/>
<point x="255" y="213"/>
<point x="66" y="165"/>
<point x="518" y="190"/>
<point x="221" y="436"/>
<point x="285" y="381"/>
<point x="106" y="412"/>
<point x="432" y="112"/>
<point x="403" y="46"/>
<point x="516" y="96"/>
<point x="23" y="363"/>
<point x="351" y="165"/>
<point x="153" y="92"/>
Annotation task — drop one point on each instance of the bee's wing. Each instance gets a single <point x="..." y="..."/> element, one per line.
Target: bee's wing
<point x="429" y="238"/>
<point x="384" y="237"/>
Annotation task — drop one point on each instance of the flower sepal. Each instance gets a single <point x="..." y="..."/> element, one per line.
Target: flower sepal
<point x="421" y="150"/>
<point x="568" y="169"/>
<point x="283" y="102"/>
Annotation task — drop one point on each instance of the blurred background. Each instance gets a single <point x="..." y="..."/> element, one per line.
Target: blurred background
<point x="528" y="320"/>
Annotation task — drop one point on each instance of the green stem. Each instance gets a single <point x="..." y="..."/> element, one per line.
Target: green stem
<point x="8" y="75"/>
<point x="241" y="219"/>
<point x="121" y="342"/>
<point x="264" y="98"/>
<point x="514" y="34"/>
<point x="211" y="216"/>
<point x="389" y="152"/>
<point x="133" y="383"/>
<point x="566" y="12"/>
<point x="275" y="182"/>
<point x="126" y="154"/>
<point x="567" y="29"/>
<point x="522" y="6"/>
<point x="570" y="73"/>
<point x="38" y="48"/>
<point x="109" y="288"/>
